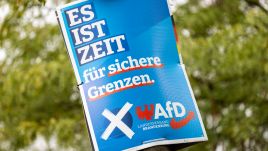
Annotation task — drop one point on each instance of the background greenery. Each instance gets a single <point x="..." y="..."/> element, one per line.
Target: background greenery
<point x="224" y="46"/>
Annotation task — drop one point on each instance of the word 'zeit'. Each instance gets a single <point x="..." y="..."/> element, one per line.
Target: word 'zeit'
<point x="101" y="49"/>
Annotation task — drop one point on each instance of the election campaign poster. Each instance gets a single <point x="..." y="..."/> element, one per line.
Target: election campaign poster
<point x="134" y="87"/>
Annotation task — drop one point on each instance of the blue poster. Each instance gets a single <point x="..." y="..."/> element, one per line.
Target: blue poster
<point x="133" y="84"/>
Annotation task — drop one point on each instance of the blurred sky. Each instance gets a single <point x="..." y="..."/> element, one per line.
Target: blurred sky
<point x="181" y="1"/>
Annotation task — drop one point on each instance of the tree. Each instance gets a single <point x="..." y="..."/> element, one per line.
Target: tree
<point x="38" y="89"/>
<point x="224" y="47"/>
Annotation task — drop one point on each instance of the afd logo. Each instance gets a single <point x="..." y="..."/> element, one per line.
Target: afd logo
<point x="171" y="111"/>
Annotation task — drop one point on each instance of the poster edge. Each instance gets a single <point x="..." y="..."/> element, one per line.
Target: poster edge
<point x="167" y="142"/>
<point x="71" y="56"/>
<point x="67" y="43"/>
<point x="89" y="121"/>
<point x="194" y="101"/>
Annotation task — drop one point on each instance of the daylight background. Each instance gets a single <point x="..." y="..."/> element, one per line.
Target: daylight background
<point x="224" y="45"/>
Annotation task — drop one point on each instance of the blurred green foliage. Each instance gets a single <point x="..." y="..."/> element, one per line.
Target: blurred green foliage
<point x="224" y="47"/>
<point x="38" y="90"/>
